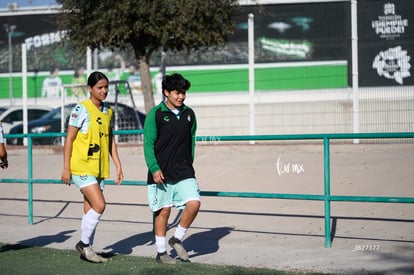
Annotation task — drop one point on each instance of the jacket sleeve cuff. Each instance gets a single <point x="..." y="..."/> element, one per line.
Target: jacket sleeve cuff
<point x="154" y="168"/>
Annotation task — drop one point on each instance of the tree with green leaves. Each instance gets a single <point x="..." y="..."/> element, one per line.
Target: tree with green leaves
<point x="147" y="26"/>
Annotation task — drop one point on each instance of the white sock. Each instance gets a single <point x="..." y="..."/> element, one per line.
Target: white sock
<point x="161" y="243"/>
<point x="83" y="222"/>
<point x="89" y="224"/>
<point x="180" y="232"/>
<point x="83" y="225"/>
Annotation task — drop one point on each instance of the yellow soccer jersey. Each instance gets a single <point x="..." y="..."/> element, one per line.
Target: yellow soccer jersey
<point x="90" y="152"/>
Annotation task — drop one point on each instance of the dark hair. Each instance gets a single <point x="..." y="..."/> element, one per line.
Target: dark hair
<point x="54" y="69"/>
<point x="175" y="82"/>
<point x="77" y="69"/>
<point x="95" y="77"/>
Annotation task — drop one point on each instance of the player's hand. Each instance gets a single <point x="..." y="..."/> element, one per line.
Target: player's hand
<point x="4" y="164"/>
<point x="158" y="177"/>
<point x="66" y="176"/>
<point x="119" y="177"/>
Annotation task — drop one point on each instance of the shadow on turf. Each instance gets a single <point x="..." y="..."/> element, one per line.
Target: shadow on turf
<point x="201" y="243"/>
<point x="126" y="245"/>
<point x="40" y="241"/>
<point x="205" y="242"/>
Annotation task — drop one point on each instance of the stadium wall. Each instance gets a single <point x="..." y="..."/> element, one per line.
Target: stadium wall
<point x="303" y="71"/>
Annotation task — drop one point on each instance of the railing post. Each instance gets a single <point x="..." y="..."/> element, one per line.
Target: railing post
<point x="327" y="191"/>
<point x="30" y="177"/>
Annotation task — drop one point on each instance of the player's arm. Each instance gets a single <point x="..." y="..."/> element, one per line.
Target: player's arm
<point x="115" y="157"/>
<point x="76" y="118"/>
<point x="67" y="153"/>
<point x="150" y="135"/>
<point x="193" y="136"/>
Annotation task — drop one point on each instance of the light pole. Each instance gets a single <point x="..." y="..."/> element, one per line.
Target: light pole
<point x="10" y="29"/>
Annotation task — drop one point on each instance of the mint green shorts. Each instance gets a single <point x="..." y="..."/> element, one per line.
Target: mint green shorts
<point x="83" y="181"/>
<point x="175" y="194"/>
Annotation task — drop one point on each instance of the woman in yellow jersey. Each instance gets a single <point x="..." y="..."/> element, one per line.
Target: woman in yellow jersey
<point x="89" y="143"/>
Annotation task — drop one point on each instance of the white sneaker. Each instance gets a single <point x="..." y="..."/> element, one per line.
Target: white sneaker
<point x="164" y="258"/>
<point x="89" y="254"/>
<point x="179" y="248"/>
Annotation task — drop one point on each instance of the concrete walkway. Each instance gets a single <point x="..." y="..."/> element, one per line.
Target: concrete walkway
<point x="280" y="234"/>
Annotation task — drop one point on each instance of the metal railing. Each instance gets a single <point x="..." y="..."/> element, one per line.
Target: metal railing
<point x="327" y="198"/>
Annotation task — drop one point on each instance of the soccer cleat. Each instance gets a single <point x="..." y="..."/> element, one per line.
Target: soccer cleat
<point x="90" y="255"/>
<point x="179" y="248"/>
<point x="164" y="258"/>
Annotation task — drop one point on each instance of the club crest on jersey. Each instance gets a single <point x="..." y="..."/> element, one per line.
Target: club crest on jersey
<point x="166" y="118"/>
<point x="189" y="118"/>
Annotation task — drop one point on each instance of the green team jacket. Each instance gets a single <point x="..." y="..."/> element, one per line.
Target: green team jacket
<point x="169" y="142"/>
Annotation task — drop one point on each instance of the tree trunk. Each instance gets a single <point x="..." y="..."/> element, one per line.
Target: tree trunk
<point x="146" y="83"/>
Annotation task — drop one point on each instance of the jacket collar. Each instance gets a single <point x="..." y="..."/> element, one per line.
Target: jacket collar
<point x="164" y="107"/>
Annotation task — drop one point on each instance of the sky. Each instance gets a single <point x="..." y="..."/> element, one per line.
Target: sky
<point x="27" y="3"/>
